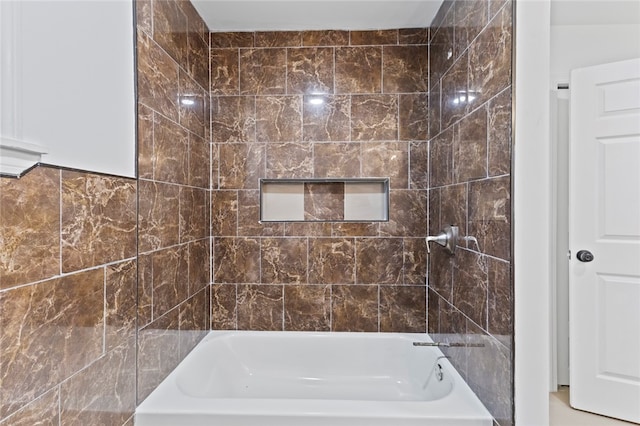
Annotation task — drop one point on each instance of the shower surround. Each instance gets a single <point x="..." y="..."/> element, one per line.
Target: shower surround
<point x="74" y="244"/>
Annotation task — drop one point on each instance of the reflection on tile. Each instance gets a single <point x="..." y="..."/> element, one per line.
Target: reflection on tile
<point x="326" y="118"/>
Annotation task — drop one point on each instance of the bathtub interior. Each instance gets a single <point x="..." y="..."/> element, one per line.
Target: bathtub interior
<point x="306" y="365"/>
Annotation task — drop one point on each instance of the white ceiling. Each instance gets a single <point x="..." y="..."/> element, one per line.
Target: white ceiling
<point x="288" y="15"/>
<point x="291" y="15"/>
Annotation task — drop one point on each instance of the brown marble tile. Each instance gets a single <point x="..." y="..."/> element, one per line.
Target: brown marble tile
<point x="260" y="307"/>
<point x="406" y="69"/>
<point x="415" y="261"/>
<point x="98" y="220"/>
<point x="231" y="39"/>
<point x="379" y="261"/>
<point x="158" y="353"/>
<point x="145" y="142"/>
<point x="326" y="118"/>
<point x="413" y="117"/>
<point x="144" y="18"/>
<point x="374" y="37"/>
<point x="500" y="298"/>
<point x="310" y="70"/>
<point x="441" y="49"/>
<point x="441" y="14"/>
<point x="284" y="260"/>
<point x="407" y="214"/>
<point x="278" y="118"/>
<point x="170" y="151"/>
<point x="145" y="290"/>
<point x="354" y="308"/>
<point x="194" y="322"/>
<point x="170" y="29"/>
<point x="278" y="38"/>
<point x="324" y="201"/>
<point x="434" y="211"/>
<point x="441" y="159"/>
<point x="325" y="38"/>
<point x="104" y="393"/>
<point x="358" y="70"/>
<point x="263" y="71"/>
<point x="413" y="36"/>
<point x="490" y="215"/>
<point x="453" y="209"/>
<point x="490" y="58"/>
<point x="456" y="92"/>
<point x="50" y="331"/>
<point x="249" y="217"/>
<point x="471" y="18"/>
<point x="387" y="159"/>
<point x="339" y="160"/>
<point x="224" y="213"/>
<point x="121" y="303"/>
<point x="499" y="133"/>
<point x="30" y="218"/>
<point x="223" y="307"/>
<point x="433" y="313"/>
<point x="243" y="253"/>
<point x="241" y="165"/>
<point x="157" y="77"/>
<point x="354" y="229"/>
<point x="170" y="279"/>
<point x="158" y="208"/>
<point x="496" y="5"/>
<point x="198" y="53"/>
<point x="403" y="309"/>
<point x="470" y="148"/>
<point x="194" y="214"/>
<point x="307" y="308"/>
<point x="289" y="160"/>
<point x="307" y="229"/>
<point x="470" y="290"/>
<point x="374" y="118"/>
<point x="199" y="270"/>
<point x="419" y="165"/>
<point x="199" y="162"/>
<point x="332" y="261"/>
<point x="215" y="166"/>
<point x="225" y="71"/>
<point x="434" y="111"/>
<point x="441" y="273"/>
<point x="192" y="105"/>
<point x="43" y="411"/>
<point x="233" y="119"/>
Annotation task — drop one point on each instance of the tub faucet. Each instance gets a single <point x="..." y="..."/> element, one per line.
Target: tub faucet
<point x="447" y="238"/>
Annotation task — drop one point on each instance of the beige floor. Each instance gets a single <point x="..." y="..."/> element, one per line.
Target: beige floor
<point x="561" y="414"/>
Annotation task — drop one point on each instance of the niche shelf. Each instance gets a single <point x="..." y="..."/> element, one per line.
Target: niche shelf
<point x="324" y="200"/>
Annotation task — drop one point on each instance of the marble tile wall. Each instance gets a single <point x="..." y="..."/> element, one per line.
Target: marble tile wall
<point x="67" y="298"/>
<point x="174" y="165"/>
<point x="471" y="294"/>
<point x="319" y="104"/>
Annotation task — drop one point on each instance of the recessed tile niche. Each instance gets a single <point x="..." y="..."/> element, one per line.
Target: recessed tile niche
<point x="323" y="200"/>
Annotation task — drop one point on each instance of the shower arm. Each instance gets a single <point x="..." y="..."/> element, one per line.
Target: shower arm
<point x="447" y="238"/>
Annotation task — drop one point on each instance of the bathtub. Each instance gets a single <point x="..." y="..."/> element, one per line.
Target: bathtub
<point x="245" y="378"/>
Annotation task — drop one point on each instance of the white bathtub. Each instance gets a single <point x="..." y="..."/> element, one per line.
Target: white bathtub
<point x="245" y="378"/>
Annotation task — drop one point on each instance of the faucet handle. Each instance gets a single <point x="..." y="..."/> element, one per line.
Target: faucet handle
<point x="447" y="238"/>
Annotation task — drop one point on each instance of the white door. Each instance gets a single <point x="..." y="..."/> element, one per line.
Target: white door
<point x="604" y="220"/>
